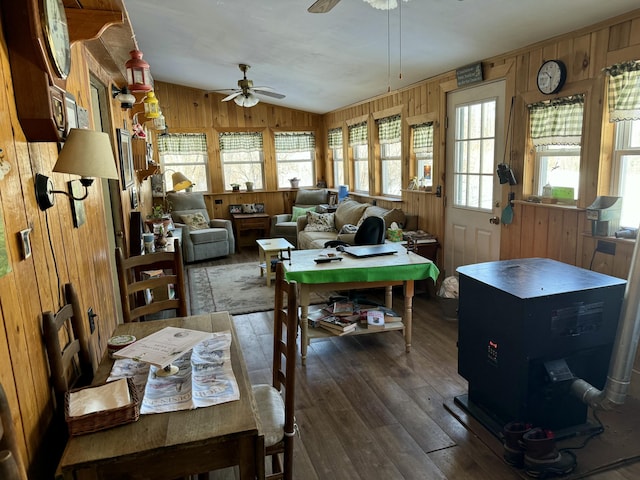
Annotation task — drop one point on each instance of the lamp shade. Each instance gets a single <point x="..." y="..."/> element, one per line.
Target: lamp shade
<point x="87" y="153"/>
<point x="180" y="182"/>
<point x="248" y="100"/>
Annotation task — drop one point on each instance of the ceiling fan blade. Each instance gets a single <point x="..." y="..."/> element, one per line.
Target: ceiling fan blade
<point x="268" y="91"/>
<point x="322" y="6"/>
<point x="232" y="96"/>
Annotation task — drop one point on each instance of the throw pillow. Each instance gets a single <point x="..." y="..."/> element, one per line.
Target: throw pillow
<point x="300" y="212"/>
<point x="349" y="211"/>
<point x="320" y="222"/>
<point x="195" y="221"/>
<point x="348" y="228"/>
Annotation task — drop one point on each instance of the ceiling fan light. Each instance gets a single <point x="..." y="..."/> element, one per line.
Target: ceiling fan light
<point x="248" y="100"/>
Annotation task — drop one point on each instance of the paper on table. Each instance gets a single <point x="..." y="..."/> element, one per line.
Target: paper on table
<point x="164" y="346"/>
<point x="96" y="399"/>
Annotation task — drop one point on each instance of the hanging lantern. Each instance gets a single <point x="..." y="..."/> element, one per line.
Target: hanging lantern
<point x="159" y="122"/>
<point x="151" y="105"/>
<point x="138" y="75"/>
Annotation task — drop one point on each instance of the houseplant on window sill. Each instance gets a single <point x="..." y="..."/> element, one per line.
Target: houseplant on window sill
<point x="235" y="187"/>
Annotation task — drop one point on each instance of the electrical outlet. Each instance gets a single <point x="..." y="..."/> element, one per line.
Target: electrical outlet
<point x="218" y="201"/>
<point x="92" y="319"/>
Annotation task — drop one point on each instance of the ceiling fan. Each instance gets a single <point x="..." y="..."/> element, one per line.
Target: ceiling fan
<point x="323" y="6"/>
<point x="245" y="94"/>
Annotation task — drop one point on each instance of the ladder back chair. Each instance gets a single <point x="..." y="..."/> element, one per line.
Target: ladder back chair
<point x="11" y="466"/>
<point x="67" y="344"/>
<point x="276" y="413"/>
<point x="144" y="292"/>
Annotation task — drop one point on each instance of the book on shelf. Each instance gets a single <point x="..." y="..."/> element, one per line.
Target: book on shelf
<point x="337" y="325"/>
<point x="390" y="315"/>
<point x="375" y="320"/>
<point x="343" y="308"/>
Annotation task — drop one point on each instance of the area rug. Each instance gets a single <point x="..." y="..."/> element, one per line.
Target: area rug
<point x="237" y="288"/>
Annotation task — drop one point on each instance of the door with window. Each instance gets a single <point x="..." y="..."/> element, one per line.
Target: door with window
<point x="475" y="145"/>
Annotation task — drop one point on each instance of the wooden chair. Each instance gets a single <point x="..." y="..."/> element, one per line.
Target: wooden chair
<point x="137" y="288"/>
<point x="67" y="344"/>
<point x="276" y="414"/>
<point x="11" y="466"/>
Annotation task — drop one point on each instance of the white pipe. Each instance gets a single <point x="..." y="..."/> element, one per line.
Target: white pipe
<point x="624" y="348"/>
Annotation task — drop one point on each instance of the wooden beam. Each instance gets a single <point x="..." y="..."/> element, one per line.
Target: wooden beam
<point x="85" y="24"/>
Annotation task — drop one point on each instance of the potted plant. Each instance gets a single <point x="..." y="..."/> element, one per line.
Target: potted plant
<point x="295" y="181"/>
<point x="235" y="187"/>
<point x="158" y="215"/>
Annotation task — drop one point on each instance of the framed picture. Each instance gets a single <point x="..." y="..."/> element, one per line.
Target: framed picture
<point x="77" y="206"/>
<point x="126" y="157"/>
<point x="134" y="197"/>
<point x="72" y="112"/>
<point x="259" y="207"/>
<point x="235" y="208"/>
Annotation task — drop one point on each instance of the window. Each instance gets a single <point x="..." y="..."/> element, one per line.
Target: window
<point x="624" y="109"/>
<point x="390" y="139"/>
<point x="242" y="159"/>
<point x="335" y="145"/>
<point x="475" y="145"/>
<point x="422" y="144"/>
<point x="358" y="141"/>
<point x="295" y="154"/>
<point x="626" y="170"/>
<point x="185" y="153"/>
<point x="556" y="132"/>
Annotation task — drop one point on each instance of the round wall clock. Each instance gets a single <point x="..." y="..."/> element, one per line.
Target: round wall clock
<point x="56" y="34"/>
<point x="551" y="76"/>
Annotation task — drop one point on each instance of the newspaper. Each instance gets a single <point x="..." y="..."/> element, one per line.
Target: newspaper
<point x="204" y="378"/>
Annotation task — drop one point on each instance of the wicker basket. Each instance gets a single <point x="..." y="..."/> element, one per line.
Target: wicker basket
<point x="93" y="422"/>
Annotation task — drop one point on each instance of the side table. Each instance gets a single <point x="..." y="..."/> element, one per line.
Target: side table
<point x="268" y="249"/>
<point x="243" y="222"/>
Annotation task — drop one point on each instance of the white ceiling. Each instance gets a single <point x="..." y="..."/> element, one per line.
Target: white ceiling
<point x="323" y="62"/>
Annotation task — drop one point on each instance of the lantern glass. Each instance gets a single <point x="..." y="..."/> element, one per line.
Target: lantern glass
<point x="138" y="75"/>
<point x="151" y="106"/>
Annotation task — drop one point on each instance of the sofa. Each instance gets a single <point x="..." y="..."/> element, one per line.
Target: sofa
<point x="284" y="225"/>
<point x="202" y="238"/>
<point x="315" y="229"/>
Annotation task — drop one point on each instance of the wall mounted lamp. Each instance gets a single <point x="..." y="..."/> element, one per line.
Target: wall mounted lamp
<point x="124" y="96"/>
<point x="138" y="74"/>
<point x="86" y="153"/>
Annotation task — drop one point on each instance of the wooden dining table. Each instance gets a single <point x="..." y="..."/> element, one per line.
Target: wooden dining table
<point x="180" y="443"/>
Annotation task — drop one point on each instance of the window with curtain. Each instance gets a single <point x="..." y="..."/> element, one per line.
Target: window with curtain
<point x="556" y="133"/>
<point x="358" y="141"/>
<point x="335" y="146"/>
<point x="624" y="109"/>
<point x="185" y="153"/>
<point x="390" y="140"/>
<point x="422" y="146"/>
<point x="242" y="159"/>
<point x="295" y="155"/>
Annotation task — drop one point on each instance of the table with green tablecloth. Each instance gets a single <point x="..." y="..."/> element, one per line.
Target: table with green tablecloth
<point x="399" y="268"/>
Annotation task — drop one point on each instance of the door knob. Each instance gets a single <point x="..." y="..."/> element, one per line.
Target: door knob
<point x="494" y="220"/>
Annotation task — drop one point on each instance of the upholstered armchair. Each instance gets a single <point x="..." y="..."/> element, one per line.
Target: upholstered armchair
<point x="284" y="224"/>
<point x="202" y="238"/>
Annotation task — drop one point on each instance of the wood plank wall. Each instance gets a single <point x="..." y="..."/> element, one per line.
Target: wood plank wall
<point x="60" y="254"/>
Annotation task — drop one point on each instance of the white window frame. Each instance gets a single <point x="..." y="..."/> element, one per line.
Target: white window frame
<point x="541" y="177"/>
<point x="361" y="168"/>
<point x="169" y="165"/>
<point x="625" y="152"/>
<point x="391" y="168"/>
<point x="294" y="165"/>
<point x="254" y="159"/>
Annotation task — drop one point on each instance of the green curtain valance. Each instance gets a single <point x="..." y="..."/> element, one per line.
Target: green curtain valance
<point x="423" y="137"/>
<point x="389" y="129"/>
<point x="358" y="134"/>
<point x="624" y="91"/>
<point x="182" y="143"/>
<point x="241" y="141"/>
<point x="335" y="138"/>
<point x="557" y="122"/>
<point x="295" y="142"/>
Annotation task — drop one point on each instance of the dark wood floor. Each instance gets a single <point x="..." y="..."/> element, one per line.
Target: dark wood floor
<point x="367" y="410"/>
